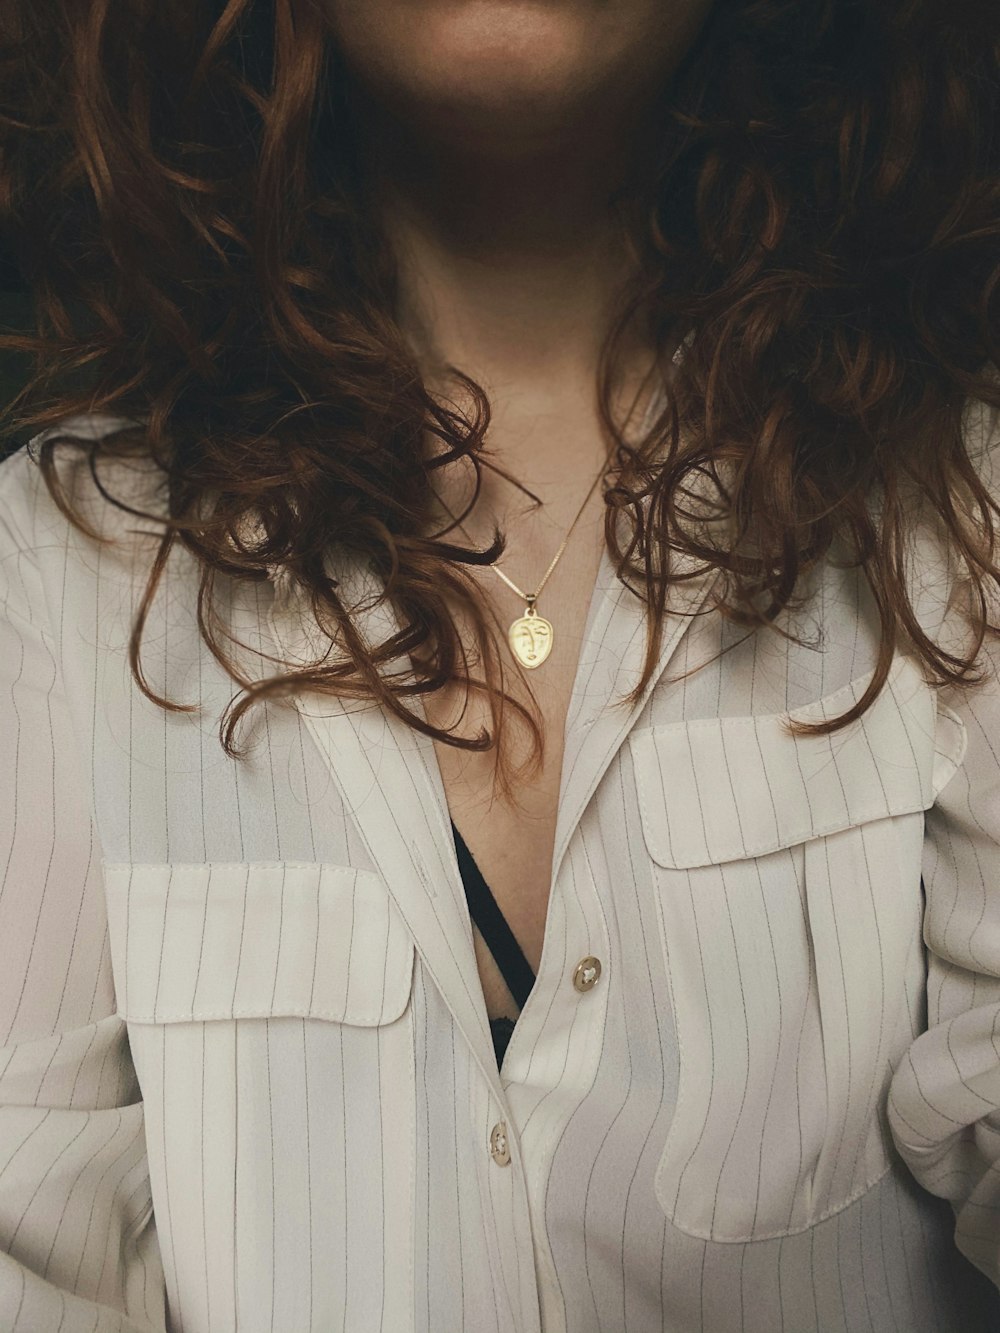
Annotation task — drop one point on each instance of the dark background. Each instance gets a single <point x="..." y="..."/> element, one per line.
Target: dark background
<point x="15" y="316"/>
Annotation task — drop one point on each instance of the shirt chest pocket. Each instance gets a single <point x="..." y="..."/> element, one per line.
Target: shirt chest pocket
<point x="270" y="1022"/>
<point x="197" y="942"/>
<point x="787" y="875"/>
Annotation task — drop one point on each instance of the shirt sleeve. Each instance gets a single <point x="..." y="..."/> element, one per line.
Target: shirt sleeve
<point x="944" y="1099"/>
<point x="78" y="1248"/>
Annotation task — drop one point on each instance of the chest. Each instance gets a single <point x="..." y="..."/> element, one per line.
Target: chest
<point x="511" y="837"/>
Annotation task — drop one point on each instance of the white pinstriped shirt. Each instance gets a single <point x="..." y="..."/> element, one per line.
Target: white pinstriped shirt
<point x="246" y="1076"/>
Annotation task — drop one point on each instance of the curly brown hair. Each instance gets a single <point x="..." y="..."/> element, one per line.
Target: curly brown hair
<point x="181" y="188"/>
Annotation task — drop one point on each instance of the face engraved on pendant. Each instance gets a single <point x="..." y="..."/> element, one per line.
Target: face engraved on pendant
<point x="530" y="639"/>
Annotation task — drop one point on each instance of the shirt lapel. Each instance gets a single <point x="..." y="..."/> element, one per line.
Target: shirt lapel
<point x="389" y="779"/>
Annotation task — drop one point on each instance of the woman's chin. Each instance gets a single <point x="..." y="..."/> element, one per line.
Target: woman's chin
<point x="504" y="69"/>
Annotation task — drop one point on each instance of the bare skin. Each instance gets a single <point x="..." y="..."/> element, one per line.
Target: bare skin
<point x="497" y="130"/>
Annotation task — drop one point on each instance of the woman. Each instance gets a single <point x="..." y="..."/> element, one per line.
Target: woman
<point x="363" y="327"/>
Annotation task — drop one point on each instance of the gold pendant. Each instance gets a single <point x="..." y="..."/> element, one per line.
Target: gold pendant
<point x="530" y="638"/>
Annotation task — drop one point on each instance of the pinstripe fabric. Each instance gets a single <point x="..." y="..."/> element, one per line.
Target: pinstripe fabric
<point x="246" y="1076"/>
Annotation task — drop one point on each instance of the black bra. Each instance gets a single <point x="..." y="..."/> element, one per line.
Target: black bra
<point x="492" y="924"/>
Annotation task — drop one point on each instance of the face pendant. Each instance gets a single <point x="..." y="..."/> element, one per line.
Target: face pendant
<point x="530" y="638"/>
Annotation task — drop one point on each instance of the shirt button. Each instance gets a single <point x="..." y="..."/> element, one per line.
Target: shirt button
<point x="499" y="1146"/>
<point x="587" y="974"/>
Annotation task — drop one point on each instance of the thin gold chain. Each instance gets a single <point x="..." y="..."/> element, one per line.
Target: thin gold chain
<point x="532" y="598"/>
<point x="530" y="636"/>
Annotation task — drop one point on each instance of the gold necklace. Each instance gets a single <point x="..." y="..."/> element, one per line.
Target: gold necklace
<point x="530" y="636"/>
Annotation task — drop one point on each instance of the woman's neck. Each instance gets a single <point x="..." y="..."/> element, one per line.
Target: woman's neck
<point x="511" y="268"/>
<point x="495" y="138"/>
<point x="507" y="268"/>
<point x="495" y="141"/>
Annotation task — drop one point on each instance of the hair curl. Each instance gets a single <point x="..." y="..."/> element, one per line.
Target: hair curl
<point x="180" y="186"/>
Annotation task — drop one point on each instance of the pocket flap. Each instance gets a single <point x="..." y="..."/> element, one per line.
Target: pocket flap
<point x="732" y="788"/>
<point x="199" y="941"/>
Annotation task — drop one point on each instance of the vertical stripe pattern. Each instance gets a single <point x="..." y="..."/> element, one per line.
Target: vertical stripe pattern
<point x="245" y="1072"/>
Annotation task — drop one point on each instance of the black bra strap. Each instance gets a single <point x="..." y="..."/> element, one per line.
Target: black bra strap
<point x="492" y="924"/>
